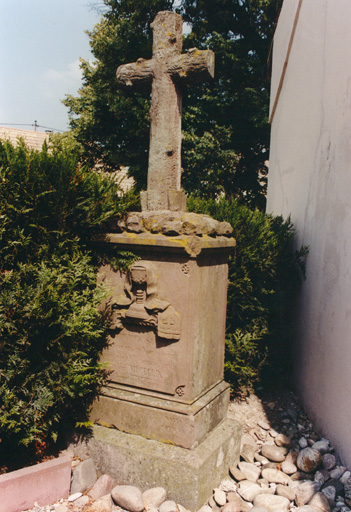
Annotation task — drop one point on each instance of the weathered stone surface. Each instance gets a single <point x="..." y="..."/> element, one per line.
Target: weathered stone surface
<point x="275" y="476"/>
<point x="83" y="476"/>
<point x="309" y="460"/>
<point x="250" y="471"/>
<point x="274" y="453"/>
<point x="319" y="502"/>
<point x="154" y="497"/>
<point x="285" y="491"/>
<point x="128" y="497"/>
<point x="103" y="504"/>
<point x="272" y="503"/>
<point x="305" y="491"/>
<point x="248" y="439"/>
<point x="102" y="486"/>
<point x="282" y="440"/>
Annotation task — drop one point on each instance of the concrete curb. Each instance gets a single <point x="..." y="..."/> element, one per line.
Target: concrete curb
<point x="43" y="483"/>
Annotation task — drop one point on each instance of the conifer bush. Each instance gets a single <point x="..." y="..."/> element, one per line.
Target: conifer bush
<point x="264" y="274"/>
<point x="51" y="330"/>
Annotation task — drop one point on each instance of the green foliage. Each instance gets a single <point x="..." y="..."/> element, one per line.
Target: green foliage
<point x="51" y="331"/>
<point x="226" y="133"/>
<point x="263" y="278"/>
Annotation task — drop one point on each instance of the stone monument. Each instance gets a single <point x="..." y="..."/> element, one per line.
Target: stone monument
<point x="161" y="420"/>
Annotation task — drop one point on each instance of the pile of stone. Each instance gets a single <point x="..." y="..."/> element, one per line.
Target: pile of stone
<point x="279" y="472"/>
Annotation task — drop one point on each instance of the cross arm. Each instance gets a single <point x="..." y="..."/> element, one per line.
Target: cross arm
<point x="192" y="67"/>
<point x="139" y="74"/>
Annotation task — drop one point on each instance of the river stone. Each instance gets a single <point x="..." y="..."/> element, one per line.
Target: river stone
<point x="248" y="439"/>
<point x="347" y="488"/>
<point x="321" y="476"/>
<point x="227" y="485"/>
<point x="168" y="506"/>
<point x="273" y="452"/>
<point x="239" y="502"/>
<point x="288" y="467"/>
<point x="329" y="461"/>
<point x="272" y="503"/>
<point x="258" y="509"/>
<point x="292" y="456"/>
<point x="248" y="452"/>
<point x="128" y="497"/>
<point x="103" y="504"/>
<point x="83" y="476"/>
<point x="205" y="508"/>
<point x="219" y="497"/>
<point x="153" y="497"/>
<point x="250" y="471"/>
<point x="330" y="493"/>
<point x="261" y="459"/>
<point x="102" y="486"/>
<point x="236" y="473"/>
<point x="345" y="477"/>
<point x="306" y="508"/>
<point x="309" y="459"/>
<point x="282" y="440"/>
<point x="303" y="443"/>
<point x="319" y="502"/>
<point x="231" y="506"/>
<point x="322" y="446"/>
<point x="249" y="490"/>
<point x="337" y="472"/>
<point x="264" y="424"/>
<point x="305" y="491"/>
<point x="275" y="476"/>
<point x="284" y="490"/>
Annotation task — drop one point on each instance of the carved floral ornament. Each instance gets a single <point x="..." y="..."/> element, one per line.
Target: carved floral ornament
<point x="139" y="304"/>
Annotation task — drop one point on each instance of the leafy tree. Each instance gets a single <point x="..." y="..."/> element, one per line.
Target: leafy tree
<point x="225" y="126"/>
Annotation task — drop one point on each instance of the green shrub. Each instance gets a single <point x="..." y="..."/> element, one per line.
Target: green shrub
<point x="51" y="331"/>
<point x="263" y="278"/>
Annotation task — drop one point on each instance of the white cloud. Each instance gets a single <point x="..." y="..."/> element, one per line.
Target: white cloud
<point x="65" y="80"/>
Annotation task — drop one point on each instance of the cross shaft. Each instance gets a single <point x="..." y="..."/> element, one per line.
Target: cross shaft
<point x="167" y="70"/>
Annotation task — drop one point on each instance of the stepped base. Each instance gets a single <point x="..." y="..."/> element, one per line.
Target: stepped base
<point x="188" y="475"/>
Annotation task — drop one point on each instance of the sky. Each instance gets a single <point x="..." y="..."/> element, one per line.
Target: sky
<point x="41" y="42"/>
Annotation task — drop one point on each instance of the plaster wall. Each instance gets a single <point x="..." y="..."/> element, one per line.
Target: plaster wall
<point x="310" y="179"/>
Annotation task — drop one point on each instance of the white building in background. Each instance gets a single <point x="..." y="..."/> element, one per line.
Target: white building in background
<point x="310" y="179"/>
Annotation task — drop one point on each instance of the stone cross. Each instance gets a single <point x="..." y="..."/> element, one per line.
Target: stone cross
<point x="167" y="70"/>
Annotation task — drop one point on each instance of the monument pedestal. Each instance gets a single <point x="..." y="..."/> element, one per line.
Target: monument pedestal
<point x="188" y="475"/>
<point x="162" y="416"/>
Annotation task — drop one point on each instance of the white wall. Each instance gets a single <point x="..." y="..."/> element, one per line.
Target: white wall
<point x="310" y="179"/>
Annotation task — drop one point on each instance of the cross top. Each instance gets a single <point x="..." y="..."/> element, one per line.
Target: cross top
<point x="167" y="71"/>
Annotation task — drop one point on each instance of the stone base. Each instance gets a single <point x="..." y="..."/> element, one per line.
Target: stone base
<point x="188" y="475"/>
<point x="159" y="418"/>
